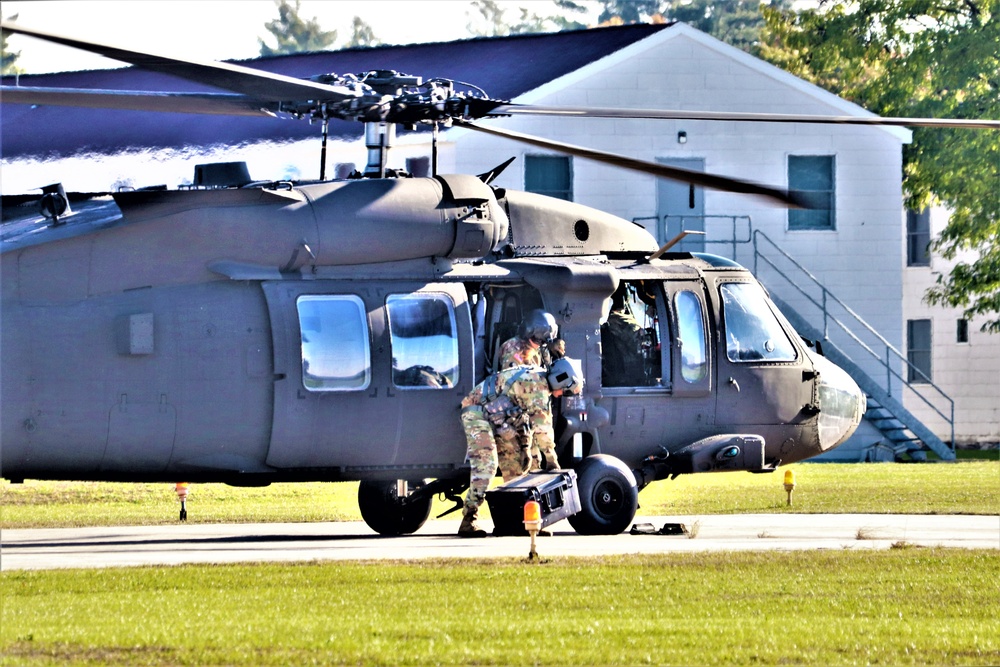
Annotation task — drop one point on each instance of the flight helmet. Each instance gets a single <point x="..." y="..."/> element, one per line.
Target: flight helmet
<point x="564" y="374"/>
<point x="539" y="326"/>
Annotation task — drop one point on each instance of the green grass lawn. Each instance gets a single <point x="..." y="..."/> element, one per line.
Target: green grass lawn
<point x="901" y="606"/>
<point x="906" y="605"/>
<point x="966" y="487"/>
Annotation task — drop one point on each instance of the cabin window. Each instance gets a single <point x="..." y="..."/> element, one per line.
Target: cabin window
<point x="691" y="337"/>
<point x="918" y="237"/>
<point x="335" y="349"/>
<point x="630" y="338"/>
<point x="812" y="176"/>
<point x="424" y="339"/>
<point x="549" y="175"/>
<point x="918" y="351"/>
<point x="753" y="333"/>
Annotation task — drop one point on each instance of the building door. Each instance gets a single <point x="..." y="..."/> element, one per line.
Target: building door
<point x="681" y="206"/>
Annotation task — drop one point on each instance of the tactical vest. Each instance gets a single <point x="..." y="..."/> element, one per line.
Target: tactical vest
<point x="499" y="410"/>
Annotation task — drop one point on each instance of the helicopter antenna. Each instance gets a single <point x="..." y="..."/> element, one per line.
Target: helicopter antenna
<point x="672" y="242"/>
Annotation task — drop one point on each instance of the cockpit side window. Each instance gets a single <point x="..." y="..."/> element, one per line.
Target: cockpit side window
<point x="335" y="347"/>
<point x="753" y="333"/>
<point x="691" y="337"/>
<point x="424" y="339"/>
<point x="630" y="338"/>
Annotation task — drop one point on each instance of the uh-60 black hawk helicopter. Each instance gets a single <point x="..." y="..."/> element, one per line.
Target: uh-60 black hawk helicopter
<point x="328" y="330"/>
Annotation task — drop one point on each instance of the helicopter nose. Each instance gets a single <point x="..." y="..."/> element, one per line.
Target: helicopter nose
<point x="842" y="404"/>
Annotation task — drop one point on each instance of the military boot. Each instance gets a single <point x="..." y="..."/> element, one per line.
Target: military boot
<point x="469" y="527"/>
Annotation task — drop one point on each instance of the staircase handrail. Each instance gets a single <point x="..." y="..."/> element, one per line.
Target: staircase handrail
<point x="827" y="316"/>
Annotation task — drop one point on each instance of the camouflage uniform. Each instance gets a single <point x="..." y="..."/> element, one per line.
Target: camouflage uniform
<point x="488" y="446"/>
<point x="520" y="352"/>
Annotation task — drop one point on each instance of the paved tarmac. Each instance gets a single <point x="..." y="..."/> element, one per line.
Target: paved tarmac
<point x="229" y="543"/>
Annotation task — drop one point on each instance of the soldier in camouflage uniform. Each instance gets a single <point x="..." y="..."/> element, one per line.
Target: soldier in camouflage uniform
<point x="515" y="398"/>
<point x="535" y="345"/>
<point x="621" y="343"/>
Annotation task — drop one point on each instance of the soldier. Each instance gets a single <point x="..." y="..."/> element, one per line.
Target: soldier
<point x="497" y="407"/>
<point x="538" y="329"/>
<point x="535" y="345"/>
<point x="621" y="342"/>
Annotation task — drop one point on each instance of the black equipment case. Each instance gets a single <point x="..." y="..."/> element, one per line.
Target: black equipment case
<point x="556" y="492"/>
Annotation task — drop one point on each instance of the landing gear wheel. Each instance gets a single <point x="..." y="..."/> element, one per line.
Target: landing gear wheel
<point x="383" y="509"/>
<point x="609" y="496"/>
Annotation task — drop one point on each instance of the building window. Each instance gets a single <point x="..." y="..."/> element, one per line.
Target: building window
<point x="918" y="351"/>
<point x="334" y="331"/>
<point x="962" y="333"/>
<point x="419" y="167"/>
<point x="424" y="339"/>
<point x="918" y="237"/>
<point x="549" y="175"/>
<point x="812" y="176"/>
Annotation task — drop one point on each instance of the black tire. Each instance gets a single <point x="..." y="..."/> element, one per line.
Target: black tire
<point x="609" y="496"/>
<point x="384" y="512"/>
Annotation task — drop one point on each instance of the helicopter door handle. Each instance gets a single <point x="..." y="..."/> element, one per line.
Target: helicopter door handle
<point x="734" y="383"/>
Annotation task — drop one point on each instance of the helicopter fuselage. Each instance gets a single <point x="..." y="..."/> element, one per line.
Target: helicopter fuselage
<point x="329" y="332"/>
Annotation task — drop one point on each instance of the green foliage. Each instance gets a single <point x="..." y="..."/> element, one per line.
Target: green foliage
<point x="629" y="11"/>
<point x="490" y="19"/>
<point x="901" y="606"/>
<point x="294" y="34"/>
<point x="923" y="59"/>
<point x="8" y="58"/>
<point x="362" y="34"/>
<point x="736" y="22"/>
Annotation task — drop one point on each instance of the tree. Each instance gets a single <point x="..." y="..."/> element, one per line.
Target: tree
<point x="294" y="34"/>
<point x="736" y="22"/>
<point x="362" y="34"/>
<point x="8" y="57"/>
<point x="936" y="58"/>
<point x="629" y="11"/>
<point x="492" y="20"/>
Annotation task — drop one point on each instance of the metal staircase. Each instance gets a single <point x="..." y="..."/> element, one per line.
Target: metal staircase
<point x="880" y="370"/>
<point x="904" y="433"/>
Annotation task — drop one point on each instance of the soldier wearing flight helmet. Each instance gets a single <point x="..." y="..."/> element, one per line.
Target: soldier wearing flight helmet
<point x="536" y="342"/>
<point x="499" y="405"/>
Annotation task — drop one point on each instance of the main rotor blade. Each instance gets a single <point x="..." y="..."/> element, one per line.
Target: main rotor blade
<point x="256" y="83"/>
<point x="227" y="104"/>
<point x="788" y="198"/>
<point x="657" y="114"/>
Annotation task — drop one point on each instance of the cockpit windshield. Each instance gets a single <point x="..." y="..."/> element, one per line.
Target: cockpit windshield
<point x="753" y="333"/>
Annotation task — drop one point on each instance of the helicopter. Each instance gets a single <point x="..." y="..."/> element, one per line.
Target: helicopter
<point x="253" y="332"/>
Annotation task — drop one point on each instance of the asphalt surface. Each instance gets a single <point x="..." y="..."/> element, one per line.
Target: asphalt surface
<point x="192" y="542"/>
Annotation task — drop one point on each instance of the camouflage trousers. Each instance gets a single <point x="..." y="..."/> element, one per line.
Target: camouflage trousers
<point x="486" y="450"/>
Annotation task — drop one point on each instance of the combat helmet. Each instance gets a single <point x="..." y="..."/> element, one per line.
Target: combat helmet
<point x="539" y="326"/>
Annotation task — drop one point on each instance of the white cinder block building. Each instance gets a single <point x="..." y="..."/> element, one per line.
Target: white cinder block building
<point x="949" y="351"/>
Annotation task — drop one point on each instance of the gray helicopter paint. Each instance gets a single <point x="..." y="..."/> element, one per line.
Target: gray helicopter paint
<point x="172" y="367"/>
